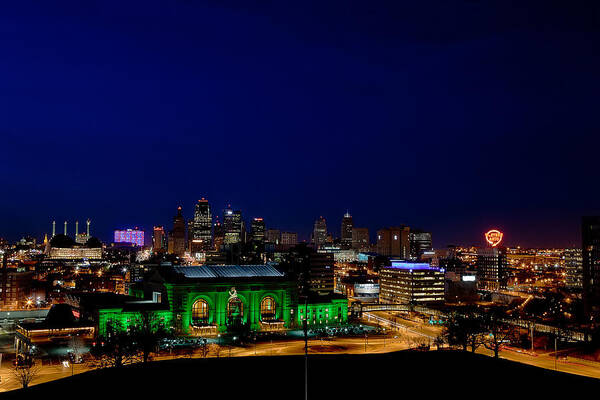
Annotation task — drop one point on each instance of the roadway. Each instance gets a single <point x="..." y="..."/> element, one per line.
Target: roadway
<point x="352" y="345"/>
<point x="401" y="334"/>
<point x="541" y="359"/>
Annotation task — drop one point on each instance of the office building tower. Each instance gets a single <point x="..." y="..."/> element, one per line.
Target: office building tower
<point x="200" y="230"/>
<point x="132" y="236"/>
<point x="492" y="274"/>
<point x="319" y="232"/>
<point x="272" y="236"/>
<point x="590" y="252"/>
<point x="258" y="230"/>
<point x="321" y="268"/>
<point x="289" y="239"/>
<point x="408" y="282"/>
<point x="219" y="235"/>
<point x="420" y="243"/>
<point x="394" y="242"/>
<point x="176" y="240"/>
<point x="346" y="230"/>
<point x="233" y="226"/>
<point x="159" y="239"/>
<point x="574" y="269"/>
<point x="360" y="239"/>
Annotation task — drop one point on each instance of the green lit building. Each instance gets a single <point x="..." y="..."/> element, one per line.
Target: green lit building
<point x="212" y="299"/>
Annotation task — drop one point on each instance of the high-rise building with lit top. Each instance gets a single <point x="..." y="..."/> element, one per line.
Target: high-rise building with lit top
<point x="159" y="239"/>
<point x="258" y="230"/>
<point x="176" y="240"/>
<point x="346" y="230"/>
<point x="233" y="226"/>
<point x="200" y="231"/>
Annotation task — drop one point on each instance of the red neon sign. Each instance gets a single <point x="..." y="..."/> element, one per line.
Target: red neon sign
<point x="493" y="237"/>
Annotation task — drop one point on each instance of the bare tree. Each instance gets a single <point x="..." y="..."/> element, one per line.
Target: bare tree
<point x="26" y="371"/>
<point x="439" y="341"/>
<point x="147" y="333"/>
<point x="499" y="332"/>
<point x="456" y="331"/>
<point x="114" y="349"/>
<point x="465" y="329"/>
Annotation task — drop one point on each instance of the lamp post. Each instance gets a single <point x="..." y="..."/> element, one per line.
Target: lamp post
<point x="555" y="353"/>
<point x="305" y="329"/>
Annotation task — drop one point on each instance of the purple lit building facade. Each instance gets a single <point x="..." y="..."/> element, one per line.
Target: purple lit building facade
<point x="133" y="236"/>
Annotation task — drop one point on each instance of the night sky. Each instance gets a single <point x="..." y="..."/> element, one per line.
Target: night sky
<point x="454" y="117"/>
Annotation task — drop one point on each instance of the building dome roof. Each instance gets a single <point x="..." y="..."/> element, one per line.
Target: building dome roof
<point x="61" y="241"/>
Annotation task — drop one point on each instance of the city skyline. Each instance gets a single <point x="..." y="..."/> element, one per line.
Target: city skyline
<point x="304" y="234"/>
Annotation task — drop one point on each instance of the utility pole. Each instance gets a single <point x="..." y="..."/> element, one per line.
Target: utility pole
<point x="305" y="328"/>
<point x="555" y="353"/>
<point x="532" y="325"/>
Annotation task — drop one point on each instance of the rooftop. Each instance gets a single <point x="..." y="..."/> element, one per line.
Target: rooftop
<point x="228" y="271"/>
<point x="401" y="264"/>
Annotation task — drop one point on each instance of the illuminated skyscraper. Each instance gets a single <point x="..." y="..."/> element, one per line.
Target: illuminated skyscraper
<point x="573" y="269"/>
<point x="258" y="230"/>
<point x="159" y="242"/>
<point x="201" y="227"/>
<point x="233" y="226"/>
<point x="492" y="274"/>
<point x="346" y="231"/>
<point x="420" y="243"/>
<point x="177" y="235"/>
<point x="320" y="232"/>
<point x="590" y="235"/>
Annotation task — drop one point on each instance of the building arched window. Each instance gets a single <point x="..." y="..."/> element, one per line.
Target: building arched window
<point x="267" y="309"/>
<point x="200" y="313"/>
<point x="235" y="310"/>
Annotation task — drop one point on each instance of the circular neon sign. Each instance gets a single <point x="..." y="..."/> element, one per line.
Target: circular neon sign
<point x="493" y="237"/>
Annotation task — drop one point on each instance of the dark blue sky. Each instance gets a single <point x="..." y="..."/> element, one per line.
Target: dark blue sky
<point x="450" y="116"/>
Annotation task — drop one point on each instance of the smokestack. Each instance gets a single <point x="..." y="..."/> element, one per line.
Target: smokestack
<point x="53" y="228"/>
<point x="76" y="228"/>
<point x="65" y="228"/>
<point x="88" y="227"/>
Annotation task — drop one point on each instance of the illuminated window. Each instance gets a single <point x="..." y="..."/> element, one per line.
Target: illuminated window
<point x="267" y="309"/>
<point x="235" y="310"/>
<point x="200" y="313"/>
